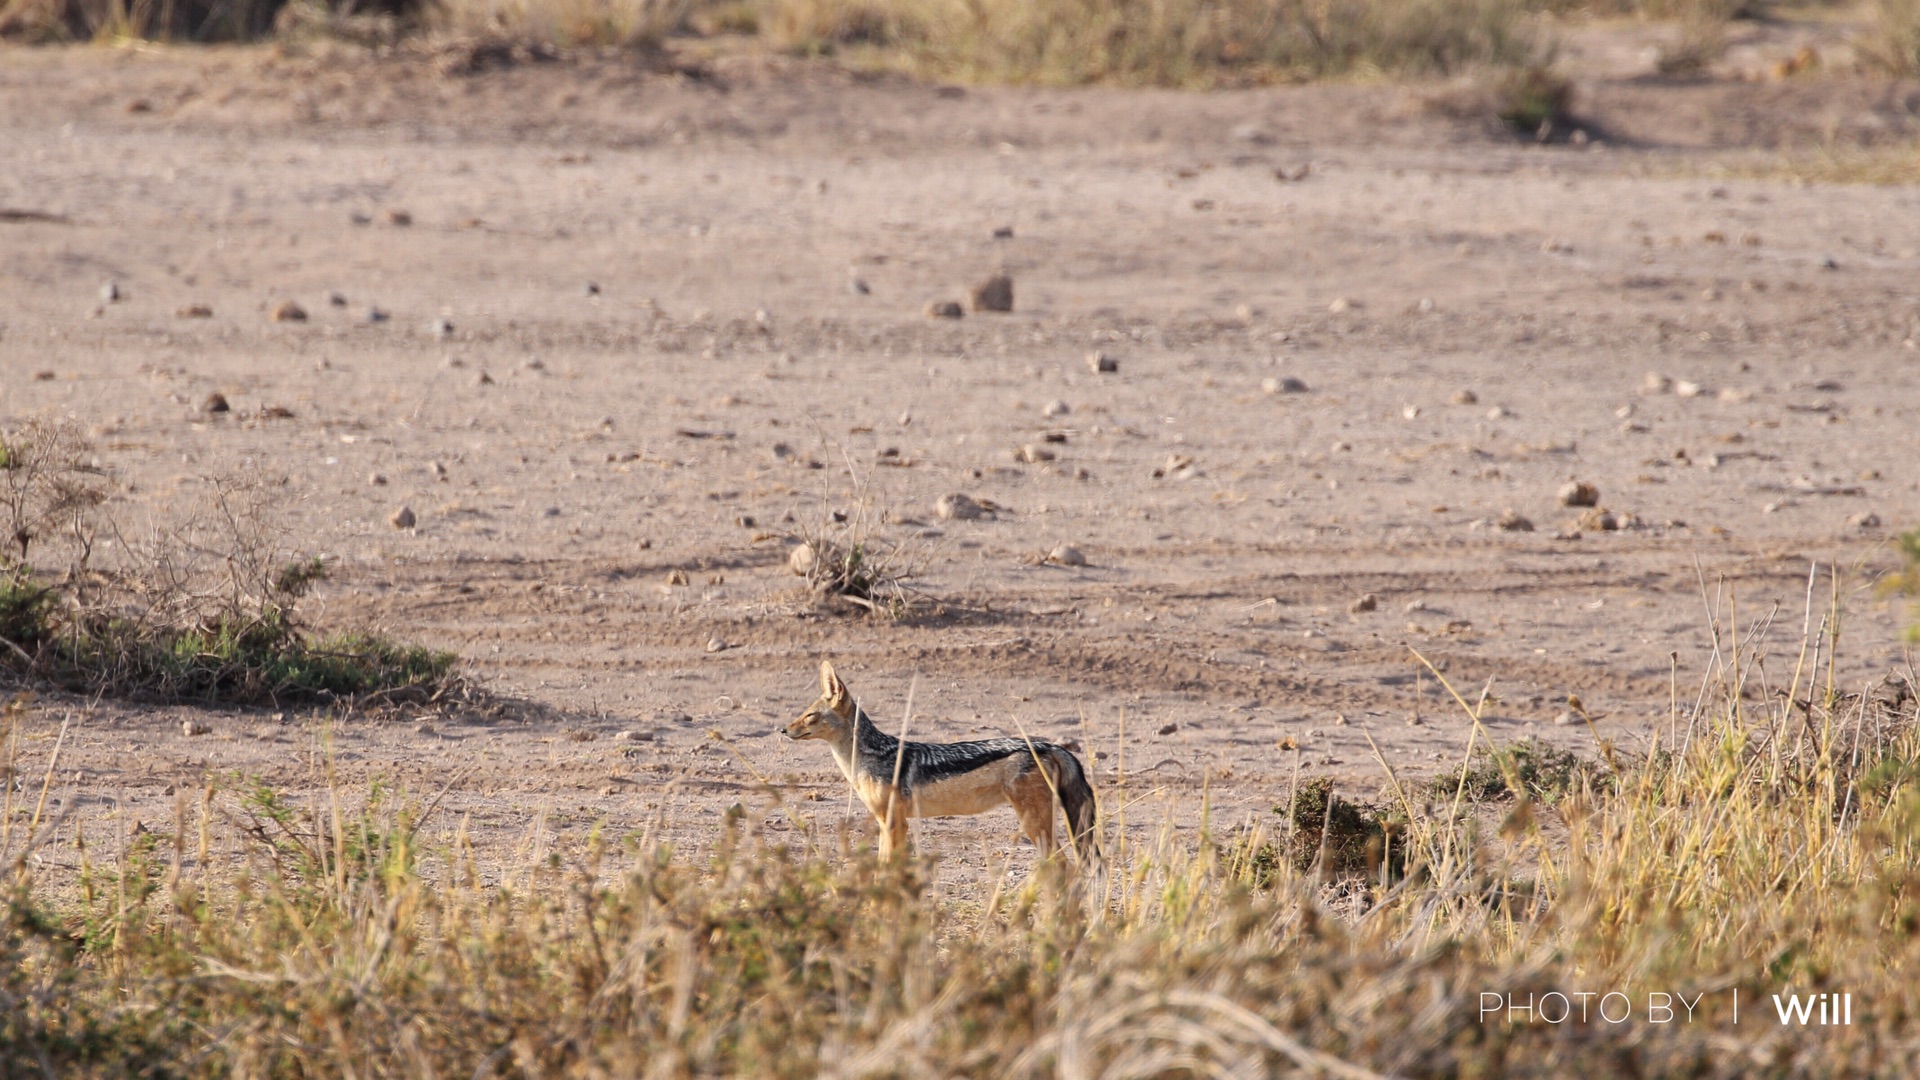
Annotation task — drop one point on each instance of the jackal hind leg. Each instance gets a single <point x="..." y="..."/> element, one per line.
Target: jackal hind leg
<point x="1033" y="801"/>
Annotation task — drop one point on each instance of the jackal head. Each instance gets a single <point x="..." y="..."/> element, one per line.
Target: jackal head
<point x="829" y="716"/>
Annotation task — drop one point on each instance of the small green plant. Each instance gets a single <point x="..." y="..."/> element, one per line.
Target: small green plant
<point x="26" y="611"/>
<point x="1340" y="836"/>
<point x="1906" y="580"/>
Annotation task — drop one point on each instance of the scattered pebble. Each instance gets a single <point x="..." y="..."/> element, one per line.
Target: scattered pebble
<point x="337" y="299"/>
<point x="1578" y="493"/>
<point x="110" y="293"/>
<point x="1286" y="384"/>
<point x="1342" y="303"/>
<point x="1101" y="364"/>
<point x="1366" y="603"/>
<point x="1598" y="519"/>
<point x="1168" y="729"/>
<point x="399" y="218"/>
<point x="1465" y="397"/>
<point x="956" y="508"/>
<point x="945" y="309"/>
<point x="216" y="403"/>
<point x="1684" y="388"/>
<point x="377" y="315"/>
<point x="1499" y="412"/>
<point x="676" y="577"/>
<point x="403" y="518"/>
<point x="194" y="311"/>
<point x="440" y="328"/>
<point x="1066" y="555"/>
<point x="1003" y="232"/>
<point x="1512" y="521"/>
<point x="714" y="645"/>
<point x="1179" y="466"/>
<point x="1864" y="521"/>
<point x="424" y="728"/>
<point x="287" y="311"/>
<point x="801" y="560"/>
<point x="630" y="735"/>
<point x="993" y="294"/>
<point x="1566" y="718"/>
<point x="1656" y="383"/>
<point x="591" y="288"/>
<point x="1056" y="407"/>
<point x="194" y="727"/>
<point x="1410" y="412"/>
<point x="1033" y="454"/>
<point x="377" y="479"/>
<point x="859" y="286"/>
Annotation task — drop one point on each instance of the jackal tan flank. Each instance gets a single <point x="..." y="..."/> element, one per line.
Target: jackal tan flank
<point x="949" y="779"/>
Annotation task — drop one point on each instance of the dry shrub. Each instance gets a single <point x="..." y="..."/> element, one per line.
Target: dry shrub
<point x="850" y="561"/>
<point x="1168" y="42"/>
<point x="179" y="20"/>
<point x="823" y="26"/>
<point x="50" y="490"/>
<point x="1534" y="100"/>
<point x="199" y="606"/>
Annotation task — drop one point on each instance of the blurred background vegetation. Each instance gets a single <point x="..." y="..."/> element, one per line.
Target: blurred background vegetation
<point x="1180" y="43"/>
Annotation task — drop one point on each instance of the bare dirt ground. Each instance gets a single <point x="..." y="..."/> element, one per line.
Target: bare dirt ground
<point x="1475" y="320"/>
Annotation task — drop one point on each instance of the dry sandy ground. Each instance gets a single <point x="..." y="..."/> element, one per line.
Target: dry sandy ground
<point x="726" y="368"/>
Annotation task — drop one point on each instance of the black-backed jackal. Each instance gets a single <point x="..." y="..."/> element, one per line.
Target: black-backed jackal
<point x="947" y="779"/>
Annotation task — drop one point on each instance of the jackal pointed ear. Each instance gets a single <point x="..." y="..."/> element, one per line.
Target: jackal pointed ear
<point x="830" y="685"/>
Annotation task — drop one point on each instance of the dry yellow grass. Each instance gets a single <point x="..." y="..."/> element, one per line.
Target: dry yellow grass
<point x="1164" y="42"/>
<point x="1759" y="845"/>
<point x="1892" y="43"/>
<point x="563" y="23"/>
